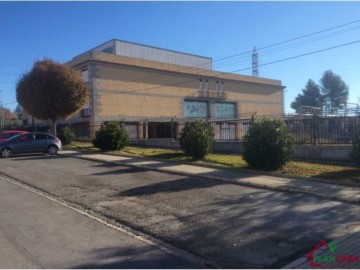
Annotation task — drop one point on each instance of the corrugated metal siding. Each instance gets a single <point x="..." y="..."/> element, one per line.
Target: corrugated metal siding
<point x="156" y="54"/>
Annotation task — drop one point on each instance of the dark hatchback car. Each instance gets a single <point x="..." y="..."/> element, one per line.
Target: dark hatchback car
<point x="32" y="142"/>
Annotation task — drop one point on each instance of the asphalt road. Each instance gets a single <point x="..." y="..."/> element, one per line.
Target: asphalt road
<point x="232" y="225"/>
<point x="36" y="232"/>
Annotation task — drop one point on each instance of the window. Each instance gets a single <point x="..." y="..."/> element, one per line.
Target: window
<point x="195" y="109"/>
<point x="25" y="137"/>
<point x="225" y="110"/>
<point x="85" y="112"/>
<point x="85" y="75"/>
<point x="41" y="137"/>
<point x="7" y="135"/>
<point x="108" y="50"/>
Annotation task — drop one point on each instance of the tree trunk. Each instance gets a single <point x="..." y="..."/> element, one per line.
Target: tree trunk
<point x="53" y="128"/>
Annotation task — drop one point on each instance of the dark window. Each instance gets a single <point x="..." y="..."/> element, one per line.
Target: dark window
<point x="160" y="130"/>
<point x="41" y="137"/>
<point x="8" y="135"/>
<point x="26" y="137"/>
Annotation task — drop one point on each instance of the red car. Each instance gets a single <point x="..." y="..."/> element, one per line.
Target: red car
<point x="5" y="135"/>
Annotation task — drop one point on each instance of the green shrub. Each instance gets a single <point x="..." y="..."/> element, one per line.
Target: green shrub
<point x="268" y="145"/>
<point x="66" y="136"/>
<point x="355" y="153"/>
<point x="111" y="136"/>
<point x="197" y="139"/>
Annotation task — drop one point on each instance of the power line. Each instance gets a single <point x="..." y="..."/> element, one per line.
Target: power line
<point x="244" y="53"/>
<point x="224" y="73"/>
<point x="275" y="50"/>
<point x="302" y="55"/>
<point x="247" y="52"/>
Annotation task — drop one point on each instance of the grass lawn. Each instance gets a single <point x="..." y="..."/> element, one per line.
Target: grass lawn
<point x="296" y="168"/>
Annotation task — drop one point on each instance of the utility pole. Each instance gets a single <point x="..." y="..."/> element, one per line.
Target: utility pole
<point x="255" y="63"/>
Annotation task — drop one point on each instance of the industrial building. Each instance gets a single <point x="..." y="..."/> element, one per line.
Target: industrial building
<point x="154" y="91"/>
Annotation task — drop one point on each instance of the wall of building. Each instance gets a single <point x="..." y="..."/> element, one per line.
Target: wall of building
<point x="135" y="92"/>
<point x="129" y="89"/>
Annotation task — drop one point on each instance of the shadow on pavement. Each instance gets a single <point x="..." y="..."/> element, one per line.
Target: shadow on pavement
<point x="173" y="186"/>
<point x="133" y="258"/>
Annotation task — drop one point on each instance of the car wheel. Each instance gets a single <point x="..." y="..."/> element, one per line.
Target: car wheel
<point x="6" y="153"/>
<point x="52" y="150"/>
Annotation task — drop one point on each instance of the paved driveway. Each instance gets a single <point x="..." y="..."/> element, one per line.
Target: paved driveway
<point x="231" y="225"/>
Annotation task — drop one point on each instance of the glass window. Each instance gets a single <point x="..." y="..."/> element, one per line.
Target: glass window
<point x="8" y="135"/>
<point x="41" y="137"/>
<point x="108" y="50"/>
<point x="195" y="109"/>
<point x="85" y="75"/>
<point x="225" y="110"/>
<point x="26" y="137"/>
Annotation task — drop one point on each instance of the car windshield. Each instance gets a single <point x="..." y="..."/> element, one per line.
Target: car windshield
<point x="8" y="135"/>
<point x="13" y="137"/>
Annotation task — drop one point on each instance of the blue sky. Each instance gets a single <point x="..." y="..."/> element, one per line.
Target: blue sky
<point x="30" y="31"/>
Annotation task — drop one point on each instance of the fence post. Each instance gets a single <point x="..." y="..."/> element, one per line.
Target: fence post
<point x="315" y="130"/>
<point x="237" y="131"/>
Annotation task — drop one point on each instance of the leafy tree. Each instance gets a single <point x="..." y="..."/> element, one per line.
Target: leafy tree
<point x="19" y="111"/>
<point x="111" y="136"/>
<point x="268" y="145"/>
<point x="51" y="91"/>
<point x="310" y="96"/>
<point x="334" y="90"/>
<point x="197" y="139"/>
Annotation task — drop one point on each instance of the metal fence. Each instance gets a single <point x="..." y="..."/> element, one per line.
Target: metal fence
<point x="324" y="129"/>
<point x="306" y="129"/>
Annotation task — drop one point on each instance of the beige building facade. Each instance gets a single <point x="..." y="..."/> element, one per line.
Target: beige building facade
<point x="153" y="91"/>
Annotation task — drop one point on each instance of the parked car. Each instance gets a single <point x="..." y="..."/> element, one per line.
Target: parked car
<point x="7" y="134"/>
<point x="31" y="142"/>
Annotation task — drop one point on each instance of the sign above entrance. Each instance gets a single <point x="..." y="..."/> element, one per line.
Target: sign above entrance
<point x="195" y="109"/>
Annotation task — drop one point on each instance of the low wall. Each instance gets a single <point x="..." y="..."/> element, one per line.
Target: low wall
<point x="308" y="152"/>
<point x="323" y="152"/>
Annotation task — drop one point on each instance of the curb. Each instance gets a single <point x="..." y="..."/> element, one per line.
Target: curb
<point x="242" y="183"/>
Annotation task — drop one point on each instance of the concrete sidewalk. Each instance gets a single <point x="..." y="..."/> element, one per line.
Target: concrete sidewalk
<point x="324" y="189"/>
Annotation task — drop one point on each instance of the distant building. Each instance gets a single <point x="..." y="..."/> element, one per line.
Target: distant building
<point x="151" y="90"/>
